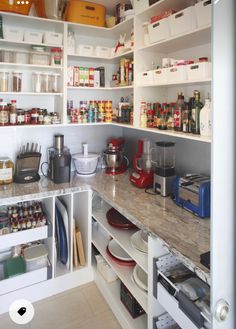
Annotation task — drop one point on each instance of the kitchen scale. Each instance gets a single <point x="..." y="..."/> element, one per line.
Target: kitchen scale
<point x="27" y="164"/>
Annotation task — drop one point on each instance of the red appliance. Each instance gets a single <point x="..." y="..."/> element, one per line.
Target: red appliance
<point x="142" y="175"/>
<point x="116" y="162"/>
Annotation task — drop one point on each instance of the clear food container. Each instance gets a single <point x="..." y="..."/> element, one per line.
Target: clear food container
<point x="4" y="80"/>
<point x="21" y="57"/>
<point x="37" y="82"/>
<point x="44" y="82"/>
<point x="39" y="58"/>
<point x="35" y="257"/>
<point x="6" y="56"/>
<point x="17" y="81"/>
<point x="54" y="82"/>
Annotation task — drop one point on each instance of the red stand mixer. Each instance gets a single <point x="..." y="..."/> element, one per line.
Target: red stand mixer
<point x="142" y="175"/>
<point x="116" y="162"/>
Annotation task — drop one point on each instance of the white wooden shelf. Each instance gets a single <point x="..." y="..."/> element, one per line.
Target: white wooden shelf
<point x="101" y="59"/>
<point x="100" y="88"/>
<point x="111" y="293"/>
<point x="23" y="93"/>
<point x="123" y="272"/>
<point x="193" y="38"/>
<point x="183" y="83"/>
<point x="30" y="66"/>
<point x="31" y="18"/>
<point x="29" y="43"/>
<point x="121" y="236"/>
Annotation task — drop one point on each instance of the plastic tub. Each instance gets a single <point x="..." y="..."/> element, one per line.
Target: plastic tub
<point x="37" y="82"/>
<point x="35" y="257"/>
<point x="6" y="56"/>
<point x="54" y="82"/>
<point x="33" y="37"/>
<point x="21" y="57"/>
<point x="85" y="164"/>
<point x="52" y="38"/>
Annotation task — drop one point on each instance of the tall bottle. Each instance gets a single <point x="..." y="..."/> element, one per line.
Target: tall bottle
<point x="205" y="119"/>
<point x="178" y="113"/>
<point x="195" y="117"/>
<point x="143" y="115"/>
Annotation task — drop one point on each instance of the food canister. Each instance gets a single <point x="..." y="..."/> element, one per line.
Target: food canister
<point x="56" y="56"/>
<point x="35" y="257"/>
<point x="4" y="80"/>
<point x="6" y="170"/>
<point x="44" y="82"/>
<point x="37" y="81"/>
<point x="54" y="82"/>
<point x="17" y="81"/>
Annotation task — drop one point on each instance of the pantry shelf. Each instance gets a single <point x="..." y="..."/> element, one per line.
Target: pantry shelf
<point x="29" y="43"/>
<point x="30" y="94"/>
<point x="101" y="59"/>
<point x="123" y="272"/>
<point x="193" y="38"/>
<point x="30" y="66"/>
<point x="100" y="88"/>
<point x="183" y="83"/>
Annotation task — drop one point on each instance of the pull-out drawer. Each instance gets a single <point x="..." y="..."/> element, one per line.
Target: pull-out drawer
<point x="165" y="321"/>
<point x="186" y="312"/>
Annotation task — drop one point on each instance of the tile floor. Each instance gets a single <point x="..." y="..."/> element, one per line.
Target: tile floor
<point x="80" y="308"/>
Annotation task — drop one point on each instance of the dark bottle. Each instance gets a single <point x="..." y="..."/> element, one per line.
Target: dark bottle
<point x="178" y="113"/>
<point x="190" y="106"/>
<point x="195" y="116"/>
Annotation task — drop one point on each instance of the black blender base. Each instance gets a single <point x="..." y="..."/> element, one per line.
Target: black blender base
<point x="27" y="178"/>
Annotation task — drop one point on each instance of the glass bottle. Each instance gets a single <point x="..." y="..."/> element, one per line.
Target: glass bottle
<point x="171" y="117"/>
<point x="190" y="106"/>
<point x="179" y="108"/>
<point x="163" y="117"/>
<point x="185" y="119"/>
<point x="143" y="115"/>
<point x="195" y="117"/>
<point x="205" y="119"/>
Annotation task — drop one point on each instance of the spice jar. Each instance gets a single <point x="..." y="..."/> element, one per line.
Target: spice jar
<point x="17" y="81"/>
<point x="20" y="117"/>
<point x="54" y="83"/>
<point x="27" y="117"/>
<point x="37" y="79"/>
<point x="34" y="116"/>
<point x="4" y="80"/>
<point x="56" y="56"/>
<point x="41" y="117"/>
<point x="6" y="171"/>
<point x="4" y="114"/>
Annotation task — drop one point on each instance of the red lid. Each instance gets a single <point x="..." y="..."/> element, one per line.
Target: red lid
<point x="115" y="142"/>
<point x="203" y="59"/>
<point x="56" y="50"/>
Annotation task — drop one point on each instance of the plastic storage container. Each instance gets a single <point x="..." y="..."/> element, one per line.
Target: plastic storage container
<point x="44" y="82"/>
<point x="203" y="13"/>
<point x="52" y="38"/>
<point x="85" y="50"/>
<point x="16" y="81"/>
<point x="85" y="163"/>
<point x="6" y="56"/>
<point x="160" y="76"/>
<point x="39" y="58"/>
<point x="177" y="74"/>
<point x="102" y="51"/>
<point x="33" y="37"/>
<point x="37" y="82"/>
<point x="13" y="33"/>
<point x="20" y="57"/>
<point x="4" y="81"/>
<point x="54" y="83"/>
<point x="199" y="71"/>
<point x="140" y="6"/>
<point x="35" y="257"/>
<point x="159" y="30"/>
<point x="183" y="21"/>
<point x="145" y="78"/>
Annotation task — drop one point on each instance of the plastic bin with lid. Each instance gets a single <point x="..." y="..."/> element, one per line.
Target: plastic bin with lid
<point x="35" y="257"/>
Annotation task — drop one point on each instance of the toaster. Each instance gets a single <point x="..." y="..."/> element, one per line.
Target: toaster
<point x="15" y="6"/>
<point x="193" y="193"/>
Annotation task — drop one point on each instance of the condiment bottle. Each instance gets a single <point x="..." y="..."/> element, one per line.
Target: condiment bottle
<point x="4" y="114"/>
<point x="6" y="171"/>
<point x="143" y="115"/>
<point x="205" y="119"/>
<point x="195" y="117"/>
<point x="179" y="108"/>
<point x="13" y="113"/>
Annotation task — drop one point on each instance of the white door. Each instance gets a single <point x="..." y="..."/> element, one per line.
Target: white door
<point x="223" y="165"/>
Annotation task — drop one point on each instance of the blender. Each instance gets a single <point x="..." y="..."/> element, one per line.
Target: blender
<point x="114" y="157"/>
<point x="142" y="175"/>
<point x="164" y="175"/>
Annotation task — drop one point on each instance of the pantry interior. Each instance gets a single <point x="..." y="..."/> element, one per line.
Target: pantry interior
<point x="62" y="98"/>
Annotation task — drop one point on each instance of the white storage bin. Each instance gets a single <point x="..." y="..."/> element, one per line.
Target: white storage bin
<point x="40" y="58"/>
<point x="33" y="37"/>
<point x="203" y="13"/>
<point x="52" y="38"/>
<point x="105" y="269"/>
<point x="102" y="52"/>
<point x="199" y="71"/>
<point x="21" y="57"/>
<point x="85" y="50"/>
<point x="140" y="6"/>
<point x="159" y="30"/>
<point x="160" y="76"/>
<point x="183" y="22"/>
<point x="177" y="74"/>
<point x="35" y="257"/>
<point x="145" y="78"/>
<point x="13" y="33"/>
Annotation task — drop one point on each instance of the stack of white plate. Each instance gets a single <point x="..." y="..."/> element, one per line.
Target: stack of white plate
<point x="140" y="278"/>
<point x="139" y="241"/>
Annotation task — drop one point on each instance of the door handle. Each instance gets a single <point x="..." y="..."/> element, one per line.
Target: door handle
<point x="221" y="310"/>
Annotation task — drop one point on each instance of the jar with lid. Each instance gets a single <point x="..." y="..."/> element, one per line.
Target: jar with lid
<point x="44" y="82"/>
<point x="54" y="82"/>
<point x="37" y="81"/>
<point x="41" y="116"/>
<point x="27" y="117"/>
<point x="20" y="117"/>
<point x="4" y="80"/>
<point x="4" y="114"/>
<point x="6" y="55"/>
<point x="34" y="116"/>
<point x="56" y="56"/>
<point x="6" y="171"/>
<point x="13" y="113"/>
<point x="17" y="81"/>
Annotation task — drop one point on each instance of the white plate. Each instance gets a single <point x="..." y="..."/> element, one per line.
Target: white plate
<point x="65" y="217"/>
<point x="144" y="237"/>
<point x="140" y="278"/>
<point x="138" y="243"/>
<point x="118" y="252"/>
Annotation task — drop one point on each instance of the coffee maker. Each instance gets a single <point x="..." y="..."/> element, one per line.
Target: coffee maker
<point x="115" y="161"/>
<point x="142" y="174"/>
<point x="164" y="174"/>
<point x="59" y="161"/>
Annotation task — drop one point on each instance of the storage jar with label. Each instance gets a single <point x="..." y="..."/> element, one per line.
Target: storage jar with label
<point x="20" y="117"/>
<point x="13" y="113"/>
<point x="6" y="171"/>
<point x="34" y="116"/>
<point x="56" y="56"/>
<point x="44" y="82"/>
<point x="4" y="114"/>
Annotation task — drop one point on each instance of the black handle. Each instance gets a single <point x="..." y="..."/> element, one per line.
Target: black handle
<point x="179" y="15"/>
<point x="90" y="8"/>
<point x="155" y="25"/>
<point x="206" y="3"/>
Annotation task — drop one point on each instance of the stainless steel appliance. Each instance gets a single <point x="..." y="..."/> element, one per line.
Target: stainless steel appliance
<point x="116" y="162"/>
<point x="164" y="174"/>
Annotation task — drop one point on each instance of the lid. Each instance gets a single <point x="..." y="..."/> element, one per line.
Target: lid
<point x="3" y="104"/>
<point x="56" y="50"/>
<point x="55" y="74"/>
<point x="17" y="72"/>
<point x="39" y="48"/>
<point x="85" y="155"/>
<point x="4" y="159"/>
<point x="165" y="144"/>
<point x="35" y="252"/>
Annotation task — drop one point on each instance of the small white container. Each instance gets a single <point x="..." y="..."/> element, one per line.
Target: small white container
<point x="203" y="12"/>
<point x="159" y="30"/>
<point x="13" y="33"/>
<point x="140" y="6"/>
<point x="145" y="78"/>
<point x="106" y="271"/>
<point x="183" y="21"/>
<point x="85" y="50"/>
<point x="102" y="52"/>
<point x="199" y="71"/>
<point x="177" y="74"/>
<point x="52" y="38"/>
<point x="35" y="257"/>
<point x="21" y="57"/>
<point x="37" y="82"/>
<point x="160" y="76"/>
<point x="33" y="37"/>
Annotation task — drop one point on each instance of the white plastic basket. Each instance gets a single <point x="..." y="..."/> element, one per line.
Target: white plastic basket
<point x="183" y="21"/>
<point x="160" y="76"/>
<point x="13" y="33"/>
<point x="102" y="52"/>
<point x="203" y="13"/>
<point x="52" y="38"/>
<point x="159" y="30"/>
<point x="33" y="37"/>
<point x="199" y="71"/>
<point x="145" y="78"/>
<point x="177" y="74"/>
<point x="85" y="50"/>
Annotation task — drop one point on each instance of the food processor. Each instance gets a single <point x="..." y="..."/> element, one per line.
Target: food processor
<point x="164" y="175"/>
<point x="115" y="161"/>
<point x="85" y="163"/>
<point x="142" y="174"/>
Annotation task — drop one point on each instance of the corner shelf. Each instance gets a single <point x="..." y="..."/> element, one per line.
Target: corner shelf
<point x="30" y="66"/>
<point x="183" y="83"/>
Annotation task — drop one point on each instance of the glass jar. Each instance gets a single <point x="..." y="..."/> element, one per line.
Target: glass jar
<point x="27" y="117"/>
<point x="4" y="80"/>
<point x="56" y="56"/>
<point x="37" y="82"/>
<point x="4" y="114"/>
<point x="54" y="83"/>
<point x="6" y="56"/>
<point x="34" y="116"/>
<point x="20" y="117"/>
<point x="44" y="82"/>
<point x="6" y="171"/>
<point x="13" y="113"/>
<point x="17" y="81"/>
<point x="41" y="117"/>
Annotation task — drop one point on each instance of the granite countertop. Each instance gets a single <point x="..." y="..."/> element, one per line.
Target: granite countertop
<point x="184" y="234"/>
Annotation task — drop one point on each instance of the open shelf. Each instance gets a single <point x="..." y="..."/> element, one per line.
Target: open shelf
<point x="111" y="293"/>
<point x="30" y="66"/>
<point x="100" y="88"/>
<point x="123" y="272"/>
<point x="174" y="84"/>
<point x="29" y="43"/>
<point x="121" y="236"/>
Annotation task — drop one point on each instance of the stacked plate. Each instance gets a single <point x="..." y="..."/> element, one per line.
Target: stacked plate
<point x="139" y="241"/>
<point x="140" y="278"/>
<point x="117" y="220"/>
<point x="118" y="254"/>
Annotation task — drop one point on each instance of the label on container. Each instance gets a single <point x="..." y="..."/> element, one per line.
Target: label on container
<point x="4" y="117"/>
<point x="6" y="174"/>
<point x="13" y="118"/>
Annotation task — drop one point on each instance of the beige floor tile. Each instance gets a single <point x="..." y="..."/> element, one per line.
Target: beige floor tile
<point x="7" y="323"/>
<point x="95" y="299"/>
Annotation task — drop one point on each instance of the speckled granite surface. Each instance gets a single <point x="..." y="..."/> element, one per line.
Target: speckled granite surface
<point x="184" y="234"/>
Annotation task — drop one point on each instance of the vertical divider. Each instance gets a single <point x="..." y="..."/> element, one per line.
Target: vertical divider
<point x="64" y="79"/>
<point x="71" y="232"/>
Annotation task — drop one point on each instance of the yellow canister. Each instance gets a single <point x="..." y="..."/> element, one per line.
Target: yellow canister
<point x="6" y="171"/>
